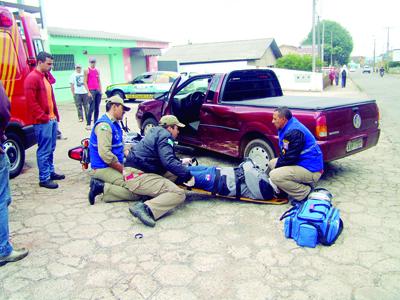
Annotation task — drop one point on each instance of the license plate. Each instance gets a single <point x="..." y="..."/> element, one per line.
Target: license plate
<point x="354" y="144"/>
<point x="140" y="96"/>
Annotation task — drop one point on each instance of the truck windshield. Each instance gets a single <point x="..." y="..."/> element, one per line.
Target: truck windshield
<point x="251" y="84"/>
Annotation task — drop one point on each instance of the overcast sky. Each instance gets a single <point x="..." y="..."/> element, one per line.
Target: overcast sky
<point x="288" y="21"/>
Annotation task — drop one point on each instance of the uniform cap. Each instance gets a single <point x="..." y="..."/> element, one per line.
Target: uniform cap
<point x="170" y="120"/>
<point x="118" y="100"/>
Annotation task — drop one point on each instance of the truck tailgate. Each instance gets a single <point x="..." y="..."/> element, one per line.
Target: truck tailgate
<point x="350" y="130"/>
<point x="352" y="120"/>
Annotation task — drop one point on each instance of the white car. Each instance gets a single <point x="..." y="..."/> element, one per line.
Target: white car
<point x="366" y="69"/>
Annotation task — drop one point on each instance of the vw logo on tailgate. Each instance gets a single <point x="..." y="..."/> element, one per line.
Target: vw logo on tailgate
<point x="357" y="121"/>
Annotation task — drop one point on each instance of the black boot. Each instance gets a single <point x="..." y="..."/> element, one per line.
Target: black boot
<point x="96" y="188"/>
<point x="143" y="213"/>
<point x="55" y="176"/>
<point x="48" y="184"/>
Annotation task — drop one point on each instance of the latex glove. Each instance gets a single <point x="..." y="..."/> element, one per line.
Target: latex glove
<point x="190" y="182"/>
<point x="127" y="149"/>
<point x="127" y="175"/>
<point x="186" y="161"/>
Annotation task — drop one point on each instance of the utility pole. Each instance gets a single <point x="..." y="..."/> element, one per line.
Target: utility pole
<point x="42" y="14"/>
<point x="318" y="38"/>
<point x="313" y="37"/>
<point x="323" y="42"/>
<point x="374" y="53"/>
<point x="387" y="45"/>
<point x="331" y="48"/>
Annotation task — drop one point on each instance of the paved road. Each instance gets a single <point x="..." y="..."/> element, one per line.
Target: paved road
<point x="210" y="248"/>
<point x="386" y="91"/>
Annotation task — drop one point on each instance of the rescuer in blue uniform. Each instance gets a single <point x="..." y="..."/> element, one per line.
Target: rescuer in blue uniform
<point x="300" y="163"/>
<point x="116" y="181"/>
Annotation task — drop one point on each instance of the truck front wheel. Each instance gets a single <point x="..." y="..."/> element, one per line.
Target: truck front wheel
<point x="15" y="151"/>
<point x="260" y="152"/>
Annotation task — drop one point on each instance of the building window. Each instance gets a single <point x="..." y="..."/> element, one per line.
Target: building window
<point x="64" y="62"/>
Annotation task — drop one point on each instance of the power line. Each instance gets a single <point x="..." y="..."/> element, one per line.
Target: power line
<point x="313" y="36"/>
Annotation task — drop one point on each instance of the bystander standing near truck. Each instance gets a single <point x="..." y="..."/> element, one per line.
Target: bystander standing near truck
<point x="80" y="94"/>
<point x="93" y="85"/>
<point x="43" y="109"/>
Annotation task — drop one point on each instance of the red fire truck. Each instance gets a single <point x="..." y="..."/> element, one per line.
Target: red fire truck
<point x="20" y="42"/>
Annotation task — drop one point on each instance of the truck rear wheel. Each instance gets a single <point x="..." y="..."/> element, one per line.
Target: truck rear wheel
<point x="260" y="152"/>
<point x="148" y="124"/>
<point x="15" y="151"/>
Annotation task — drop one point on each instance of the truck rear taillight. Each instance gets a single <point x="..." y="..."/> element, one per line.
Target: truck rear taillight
<point x="379" y="115"/>
<point x="321" y="129"/>
<point x="6" y="19"/>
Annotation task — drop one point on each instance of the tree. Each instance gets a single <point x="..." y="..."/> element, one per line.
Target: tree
<point x="296" y="62"/>
<point x="342" y="42"/>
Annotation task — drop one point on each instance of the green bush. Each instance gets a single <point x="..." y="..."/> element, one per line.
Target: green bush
<point x="296" y="62"/>
<point x="394" y="64"/>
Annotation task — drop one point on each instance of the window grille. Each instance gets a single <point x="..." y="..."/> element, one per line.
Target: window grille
<point x="64" y="62"/>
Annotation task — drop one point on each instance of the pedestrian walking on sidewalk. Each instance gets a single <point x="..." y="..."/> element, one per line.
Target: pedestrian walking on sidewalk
<point x="343" y="73"/>
<point x="337" y="74"/>
<point x="332" y="75"/>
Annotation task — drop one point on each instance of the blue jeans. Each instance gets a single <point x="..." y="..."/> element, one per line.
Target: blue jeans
<point x="5" y="200"/>
<point x="94" y="106"/>
<point x="46" y="136"/>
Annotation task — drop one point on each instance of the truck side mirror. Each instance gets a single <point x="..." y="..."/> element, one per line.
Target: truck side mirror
<point x="31" y="62"/>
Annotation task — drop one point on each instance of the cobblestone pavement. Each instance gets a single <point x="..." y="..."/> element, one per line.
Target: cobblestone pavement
<point x="208" y="248"/>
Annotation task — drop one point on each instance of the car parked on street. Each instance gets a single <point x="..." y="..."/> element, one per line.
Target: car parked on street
<point x="367" y="69"/>
<point x="145" y="86"/>
<point x="231" y="113"/>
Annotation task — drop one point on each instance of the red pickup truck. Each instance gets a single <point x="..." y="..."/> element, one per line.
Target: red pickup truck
<point x="231" y="114"/>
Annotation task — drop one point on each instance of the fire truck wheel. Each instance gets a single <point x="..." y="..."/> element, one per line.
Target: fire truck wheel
<point x="16" y="153"/>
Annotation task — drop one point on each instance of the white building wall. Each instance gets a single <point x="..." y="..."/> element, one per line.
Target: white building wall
<point x="290" y="80"/>
<point x="215" y="67"/>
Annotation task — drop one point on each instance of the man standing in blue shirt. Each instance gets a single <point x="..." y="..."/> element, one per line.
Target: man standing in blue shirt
<point x="300" y="163"/>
